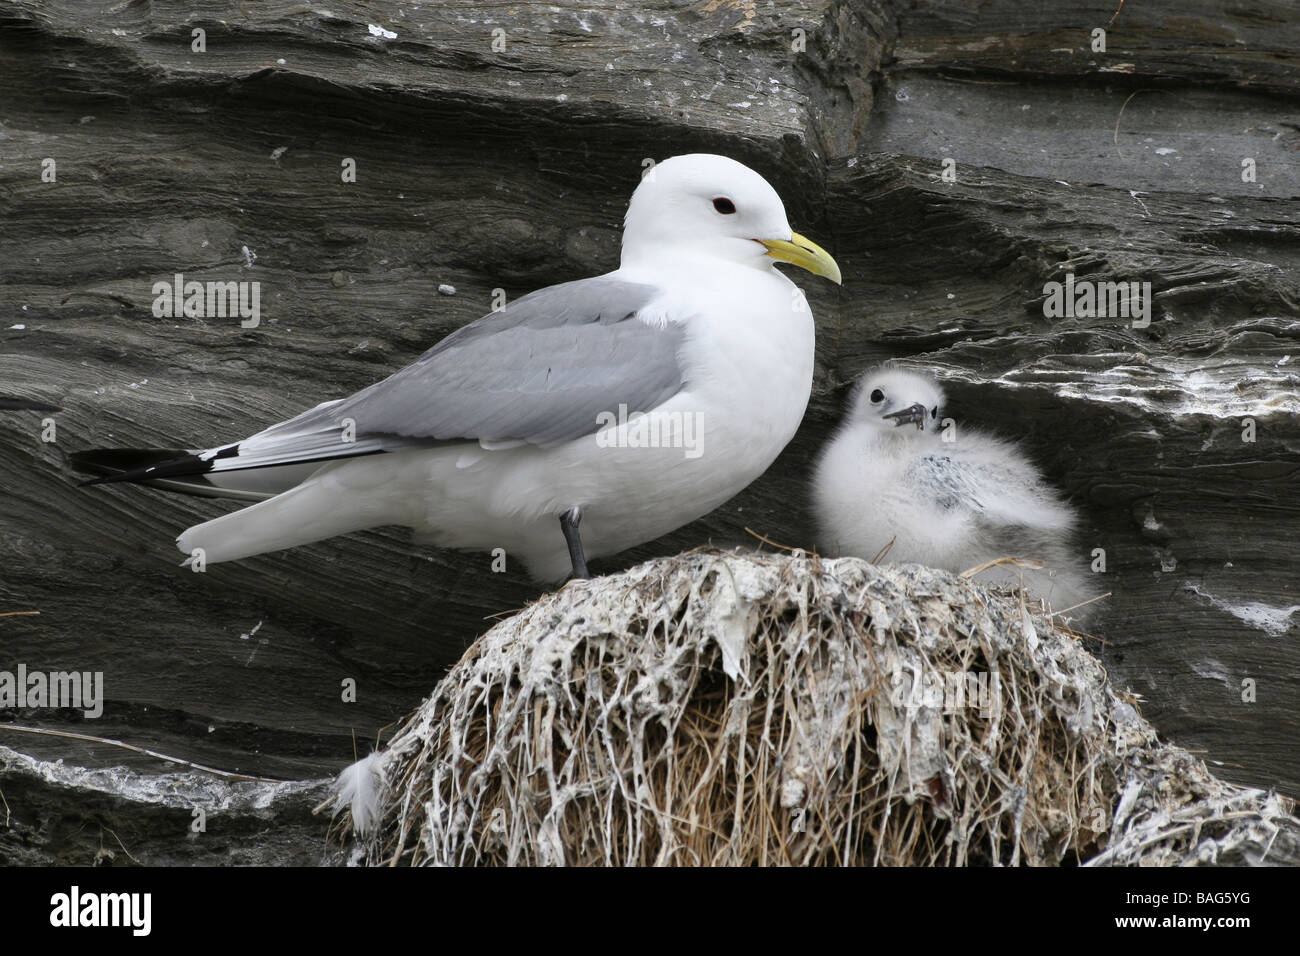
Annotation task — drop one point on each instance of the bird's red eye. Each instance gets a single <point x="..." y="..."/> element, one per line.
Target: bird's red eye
<point x="724" y="205"/>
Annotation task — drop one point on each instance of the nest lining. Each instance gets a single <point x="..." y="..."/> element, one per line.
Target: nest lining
<point x="738" y="709"/>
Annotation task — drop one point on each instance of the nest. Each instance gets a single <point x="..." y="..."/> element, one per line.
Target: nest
<point x="738" y="709"/>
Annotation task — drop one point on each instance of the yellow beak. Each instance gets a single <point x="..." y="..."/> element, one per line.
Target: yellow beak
<point x="805" y="254"/>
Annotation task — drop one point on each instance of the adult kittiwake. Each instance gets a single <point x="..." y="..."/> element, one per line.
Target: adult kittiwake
<point x="632" y="402"/>
<point x="945" y="495"/>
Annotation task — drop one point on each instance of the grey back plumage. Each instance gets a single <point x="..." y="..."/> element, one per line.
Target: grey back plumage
<point x="538" y="372"/>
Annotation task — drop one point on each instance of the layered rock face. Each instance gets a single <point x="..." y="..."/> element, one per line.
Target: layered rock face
<point x="381" y="169"/>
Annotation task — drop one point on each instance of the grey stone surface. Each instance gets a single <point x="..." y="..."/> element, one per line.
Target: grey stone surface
<point x="486" y="169"/>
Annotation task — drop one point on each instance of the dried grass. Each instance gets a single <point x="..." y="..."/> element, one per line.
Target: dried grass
<point x="737" y="709"/>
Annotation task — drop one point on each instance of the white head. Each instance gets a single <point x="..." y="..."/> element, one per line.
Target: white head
<point x="711" y="206"/>
<point x="897" y="402"/>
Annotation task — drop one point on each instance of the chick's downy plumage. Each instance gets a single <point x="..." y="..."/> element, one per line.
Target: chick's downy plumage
<point x="945" y="495"/>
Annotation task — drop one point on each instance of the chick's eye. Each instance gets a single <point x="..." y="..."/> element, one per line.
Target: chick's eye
<point x="877" y="396"/>
<point x="724" y="205"/>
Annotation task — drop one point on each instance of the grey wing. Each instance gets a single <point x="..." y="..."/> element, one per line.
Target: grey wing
<point x="980" y="487"/>
<point x="1001" y="492"/>
<point x="948" y="481"/>
<point x="538" y="372"/>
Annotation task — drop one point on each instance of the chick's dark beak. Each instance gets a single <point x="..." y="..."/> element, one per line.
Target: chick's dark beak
<point x="912" y="415"/>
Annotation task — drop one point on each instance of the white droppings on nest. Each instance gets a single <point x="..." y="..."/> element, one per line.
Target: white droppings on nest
<point x="726" y="615"/>
<point x="729" y="708"/>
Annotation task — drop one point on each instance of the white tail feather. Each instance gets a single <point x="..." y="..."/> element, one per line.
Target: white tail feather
<point x="311" y="512"/>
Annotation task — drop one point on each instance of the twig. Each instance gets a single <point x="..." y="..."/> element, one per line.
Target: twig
<point x="884" y="551"/>
<point x="19" y="613"/>
<point x="123" y="846"/>
<point x="765" y="540"/>
<point x="1092" y="637"/>
<point x="1115" y="14"/>
<point x="1082" y="604"/>
<point x="44" y="731"/>
<point x="1115" y="136"/>
<point x="1018" y="562"/>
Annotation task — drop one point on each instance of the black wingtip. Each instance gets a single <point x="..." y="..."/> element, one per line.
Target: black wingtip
<point x="111" y="465"/>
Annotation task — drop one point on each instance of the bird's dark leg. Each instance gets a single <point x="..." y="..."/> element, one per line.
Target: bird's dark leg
<point x="569" y="525"/>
